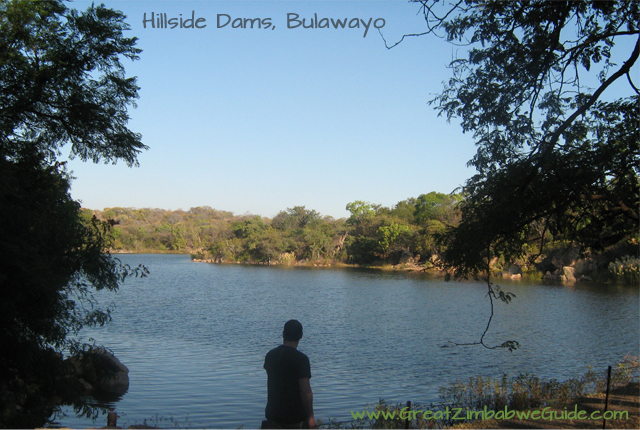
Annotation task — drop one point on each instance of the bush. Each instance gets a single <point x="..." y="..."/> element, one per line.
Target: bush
<point x="527" y="391"/>
<point x="518" y="393"/>
<point x="626" y="269"/>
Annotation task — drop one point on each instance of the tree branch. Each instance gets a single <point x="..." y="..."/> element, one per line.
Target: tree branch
<point x="511" y="345"/>
<point x="430" y="29"/>
<point x="626" y="67"/>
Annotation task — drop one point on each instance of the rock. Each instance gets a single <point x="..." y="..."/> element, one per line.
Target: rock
<point x="566" y="256"/>
<point x="118" y="382"/>
<point x="513" y="272"/>
<point x="514" y="269"/>
<point x="569" y="274"/>
<point x="85" y="385"/>
<point x="585" y="265"/>
<point x="101" y="370"/>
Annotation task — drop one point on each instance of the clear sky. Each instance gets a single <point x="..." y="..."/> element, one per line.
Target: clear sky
<point x="260" y="120"/>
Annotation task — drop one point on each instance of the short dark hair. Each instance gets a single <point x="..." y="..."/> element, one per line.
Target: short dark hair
<point x="292" y="331"/>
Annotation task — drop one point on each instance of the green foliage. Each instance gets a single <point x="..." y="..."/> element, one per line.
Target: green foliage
<point x="61" y="83"/>
<point x="626" y="269"/>
<point x="360" y="211"/>
<point x="404" y="210"/>
<point x="319" y="242"/>
<point x="297" y="217"/>
<point x="554" y="155"/>
<point x="178" y="241"/>
<point x="52" y="260"/>
<point x="385" y="235"/>
<point x="373" y="234"/>
<point x="389" y="235"/>
<point x="437" y="207"/>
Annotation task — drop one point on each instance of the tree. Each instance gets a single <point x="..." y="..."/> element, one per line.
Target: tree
<point x="404" y="210"/>
<point x="61" y="83"/>
<point x="557" y="147"/>
<point x="436" y="207"/>
<point x="364" y="224"/>
<point x="360" y="211"/>
<point x="297" y="217"/>
<point x="389" y="234"/>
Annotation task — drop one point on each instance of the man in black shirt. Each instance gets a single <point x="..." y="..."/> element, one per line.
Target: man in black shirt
<point x="290" y="399"/>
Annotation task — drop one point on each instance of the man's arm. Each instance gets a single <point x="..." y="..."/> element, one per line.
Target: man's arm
<point x="307" y="400"/>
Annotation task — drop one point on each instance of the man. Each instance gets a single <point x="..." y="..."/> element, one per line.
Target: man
<point x="289" y="399"/>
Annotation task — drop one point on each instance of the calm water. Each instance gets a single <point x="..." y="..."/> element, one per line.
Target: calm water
<point x="194" y="336"/>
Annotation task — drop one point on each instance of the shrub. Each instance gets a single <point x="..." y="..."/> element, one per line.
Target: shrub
<point x="625" y="269"/>
<point x="527" y="391"/>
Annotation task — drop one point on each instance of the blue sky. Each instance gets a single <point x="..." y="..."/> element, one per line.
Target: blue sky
<point x="259" y="120"/>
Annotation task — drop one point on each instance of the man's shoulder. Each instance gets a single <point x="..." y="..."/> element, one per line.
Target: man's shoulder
<point x="301" y="354"/>
<point x="273" y="352"/>
<point x="275" y="349"/>
<point x="301" y="359"/>
<point x="287" y="351"/>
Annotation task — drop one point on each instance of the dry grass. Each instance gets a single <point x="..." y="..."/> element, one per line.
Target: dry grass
<point x="622" y="399"/>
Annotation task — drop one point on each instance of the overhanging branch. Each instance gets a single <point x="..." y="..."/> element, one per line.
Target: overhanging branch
<point x="626" y="67"/>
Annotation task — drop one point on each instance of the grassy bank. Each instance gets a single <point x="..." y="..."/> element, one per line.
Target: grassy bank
<point x="524" y="401"/>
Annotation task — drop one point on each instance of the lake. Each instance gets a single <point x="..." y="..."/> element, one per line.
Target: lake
<point x="194" y="336"/>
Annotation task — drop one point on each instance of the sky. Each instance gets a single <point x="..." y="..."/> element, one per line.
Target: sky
<point x="258" y="120"/>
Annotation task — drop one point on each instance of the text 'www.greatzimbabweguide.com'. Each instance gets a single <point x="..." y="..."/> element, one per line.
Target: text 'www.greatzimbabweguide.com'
<point x="486" y="414"/>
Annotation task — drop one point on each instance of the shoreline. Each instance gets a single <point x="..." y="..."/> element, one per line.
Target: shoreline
<point x="407" y="267"/>
<point x="404" y="267"/>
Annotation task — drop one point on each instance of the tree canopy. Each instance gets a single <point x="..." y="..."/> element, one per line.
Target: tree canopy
<point x="61" y="83"/>
<point x="548" y="91"/>
<point x="373" y="234"/>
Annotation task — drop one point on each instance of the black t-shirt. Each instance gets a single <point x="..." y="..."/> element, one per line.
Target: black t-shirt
<point x="285" y="365"/>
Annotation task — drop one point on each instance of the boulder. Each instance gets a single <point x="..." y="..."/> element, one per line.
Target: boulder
<point x="585" y="265"/>
<point x="513" y="272"/>
<point x="101" y="370"/>
<point x="566" y="256"/>
<point x="514" y="269"/>
<point x="85" y="385"/>
<point x="569" y="274"/>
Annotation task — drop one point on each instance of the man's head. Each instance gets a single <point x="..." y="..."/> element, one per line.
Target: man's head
<point x="292" y="331"/>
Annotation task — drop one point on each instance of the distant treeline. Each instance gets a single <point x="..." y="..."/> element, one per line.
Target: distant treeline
<point x="410" y="233"/>
<point x="373" y="234"/>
